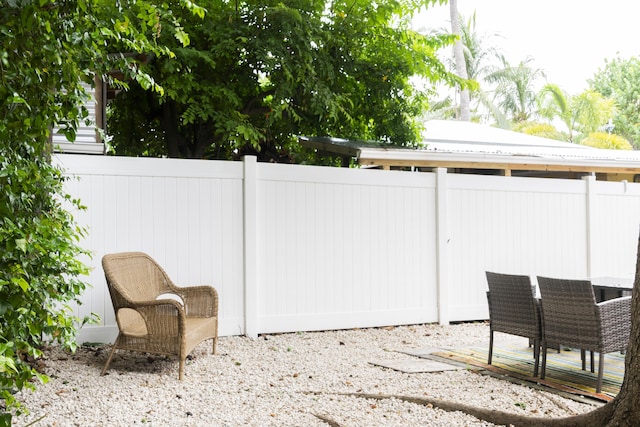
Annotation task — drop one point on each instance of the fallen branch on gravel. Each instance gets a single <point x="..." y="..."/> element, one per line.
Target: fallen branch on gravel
<point x="327" y="420"/>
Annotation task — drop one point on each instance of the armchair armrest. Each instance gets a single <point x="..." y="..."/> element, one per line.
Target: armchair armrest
<point x="161" y="317"/>
<point x="199" y="301"/>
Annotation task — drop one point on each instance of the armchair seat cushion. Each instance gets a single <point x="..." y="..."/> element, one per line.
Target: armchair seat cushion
<point x="170" y="296"/>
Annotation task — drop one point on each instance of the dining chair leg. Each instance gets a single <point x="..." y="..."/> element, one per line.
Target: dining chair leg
<point x="592" y="361"/>
<point x="536" y="355"/>
<point x="583" y="359"/>
<point x="600" y="372"/>
<point x="544" y="360"/>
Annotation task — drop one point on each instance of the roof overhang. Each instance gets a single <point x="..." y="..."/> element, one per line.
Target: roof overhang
<point x="389" y="158"/>
<point x="463" y="145"/>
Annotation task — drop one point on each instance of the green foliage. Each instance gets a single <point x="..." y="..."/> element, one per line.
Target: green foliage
<point x="543" y="130"/>
<point x="619" y="79"/>
<point x="582" y="114"/>
<point x="606" y="140"/>
<point x="39" y="266"/>
<point x="515" y="92"/>
<point x="48" y="51"/>
<point x="478" y="54"/>
<point x="257" y="74"/>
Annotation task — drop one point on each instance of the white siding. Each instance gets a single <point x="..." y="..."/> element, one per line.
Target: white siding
<point x="87" y="139"/>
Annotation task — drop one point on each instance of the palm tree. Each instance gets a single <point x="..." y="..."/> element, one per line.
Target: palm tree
<point x="515" y="92"/>
<point x="461" y="69"/>
<point x="478" y="54"/>
<point x="581" y="114"/>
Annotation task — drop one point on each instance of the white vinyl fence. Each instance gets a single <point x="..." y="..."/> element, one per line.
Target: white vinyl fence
<point x="300" y="248"/>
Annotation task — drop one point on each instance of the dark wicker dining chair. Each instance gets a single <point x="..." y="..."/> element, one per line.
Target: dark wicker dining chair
<point x="514" y="309"/>
<point x="153" y="314"/>
<point x="571" y="316"/>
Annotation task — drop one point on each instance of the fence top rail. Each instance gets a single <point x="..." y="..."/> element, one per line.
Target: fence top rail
<point x="152" y="167"/>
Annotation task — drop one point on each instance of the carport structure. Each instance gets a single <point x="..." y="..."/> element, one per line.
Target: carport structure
<point x="464" y="147"/>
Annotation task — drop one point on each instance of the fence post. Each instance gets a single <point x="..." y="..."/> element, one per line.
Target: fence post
<point x="590" y="182"/>
<point x="442" y="259"/>
<point x="250" y="246"/>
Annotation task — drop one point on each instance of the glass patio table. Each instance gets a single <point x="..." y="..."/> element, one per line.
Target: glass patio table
<point x="608" y="287"/>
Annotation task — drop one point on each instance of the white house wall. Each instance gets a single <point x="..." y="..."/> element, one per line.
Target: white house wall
<point x="294" y="247"/>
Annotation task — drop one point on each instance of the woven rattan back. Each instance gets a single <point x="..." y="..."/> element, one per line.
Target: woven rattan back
<point x="569" y="312"/>
<point x="512" y="305"/>
<point x="134" y="277"/>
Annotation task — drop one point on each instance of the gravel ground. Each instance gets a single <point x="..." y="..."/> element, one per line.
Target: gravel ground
<point x="280" y="380"/>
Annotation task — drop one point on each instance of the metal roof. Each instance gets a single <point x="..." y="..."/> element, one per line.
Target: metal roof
<point x="466" y="137"/>
<point x="456" y="144"/>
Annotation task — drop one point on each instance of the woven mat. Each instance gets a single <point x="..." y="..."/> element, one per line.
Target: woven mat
<point x="564" y="371"/>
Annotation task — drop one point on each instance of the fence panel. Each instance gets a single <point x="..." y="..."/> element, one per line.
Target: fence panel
<point x="186" y="213"/>
<point x="344" y="248"/>
<point x="331" y="248"/>
<point x="616" y="224"/>
<point x="511" y="225"/>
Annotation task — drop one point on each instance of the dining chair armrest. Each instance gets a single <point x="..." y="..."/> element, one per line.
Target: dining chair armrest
<point x="615" y="318"/>
<point x="617" y="308"/>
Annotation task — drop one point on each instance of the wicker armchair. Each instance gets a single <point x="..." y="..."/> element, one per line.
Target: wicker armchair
<point x="513" y="309"/>
<point x="572" y="316"/>
<point x="153" y="314"/>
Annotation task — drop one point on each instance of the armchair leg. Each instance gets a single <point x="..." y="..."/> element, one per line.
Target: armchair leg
<point x="181" y="368"/>
<point x="215" y="346"/>
<point x="113" y="351"/>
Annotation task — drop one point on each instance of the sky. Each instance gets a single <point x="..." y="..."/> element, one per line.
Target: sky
<point x="568" y="39"/>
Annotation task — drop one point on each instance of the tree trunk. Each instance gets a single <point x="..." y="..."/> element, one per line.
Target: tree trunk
<point x="461" y="67"/>
<point x="175" y="142"/>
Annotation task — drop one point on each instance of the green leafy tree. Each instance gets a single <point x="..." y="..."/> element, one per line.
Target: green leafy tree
<point x="259" y="73"/>
<point x="49" y="52"/>
<point x="619" y="80"/>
